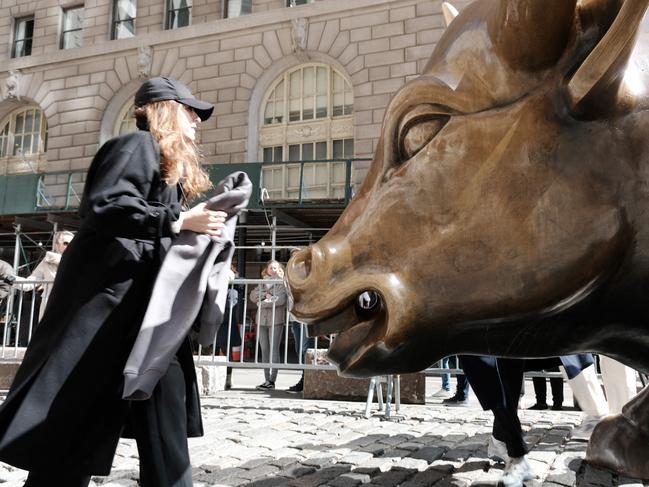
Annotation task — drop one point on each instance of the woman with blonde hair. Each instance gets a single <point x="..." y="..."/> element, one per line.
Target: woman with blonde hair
<point x="64" y="414"/>
<point x="271" y="315"/>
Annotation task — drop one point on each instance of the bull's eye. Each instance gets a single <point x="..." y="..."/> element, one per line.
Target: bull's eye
<point x="368" y="300"/>
<point x="418" y="128"/>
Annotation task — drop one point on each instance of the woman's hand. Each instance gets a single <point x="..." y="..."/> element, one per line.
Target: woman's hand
<point x="201" y="220"/>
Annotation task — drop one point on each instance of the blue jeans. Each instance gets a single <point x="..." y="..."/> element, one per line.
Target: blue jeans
<point x="462" y="388"/>
<point x="446" y="378"/>
<point x="299" y="336"/>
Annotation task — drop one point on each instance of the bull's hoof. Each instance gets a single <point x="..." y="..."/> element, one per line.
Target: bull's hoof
<point x="619" y="445"/>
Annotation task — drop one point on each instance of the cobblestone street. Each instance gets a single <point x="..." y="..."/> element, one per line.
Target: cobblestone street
<point x="273" y="439"/>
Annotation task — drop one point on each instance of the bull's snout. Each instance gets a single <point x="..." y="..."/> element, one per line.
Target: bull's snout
<point x="315" y="273"/>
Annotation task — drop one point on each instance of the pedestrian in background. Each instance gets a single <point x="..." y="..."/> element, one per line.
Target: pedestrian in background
<point x="64" y="413"/>
<point x="46" y="269"/>
<point x="271" y="314"/>
<point x="7" y="278"/>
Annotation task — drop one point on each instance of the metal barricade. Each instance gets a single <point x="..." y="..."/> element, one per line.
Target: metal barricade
<point x="19" y="315"/>
<point x="248" y="333"/>
<point x="20" y="310"/>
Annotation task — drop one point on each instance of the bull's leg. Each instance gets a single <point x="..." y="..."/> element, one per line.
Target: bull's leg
<point x="621" y="442"/>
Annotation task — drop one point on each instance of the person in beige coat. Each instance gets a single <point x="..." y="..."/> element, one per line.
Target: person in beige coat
<point x="46" y="269"/>
<point x="271" y="315"/>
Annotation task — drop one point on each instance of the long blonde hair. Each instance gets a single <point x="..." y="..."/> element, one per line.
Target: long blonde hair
<point x="180" y="159"/>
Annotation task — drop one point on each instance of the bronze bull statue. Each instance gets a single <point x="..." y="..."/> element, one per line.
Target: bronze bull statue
<point x="506" y="211"/>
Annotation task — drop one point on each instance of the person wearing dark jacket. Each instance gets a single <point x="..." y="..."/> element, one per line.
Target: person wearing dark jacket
<point x="64" y="413"/>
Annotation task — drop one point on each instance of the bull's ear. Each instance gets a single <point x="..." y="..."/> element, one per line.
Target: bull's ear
<point x="596" y="82"/>
<point x="450" y="12"/>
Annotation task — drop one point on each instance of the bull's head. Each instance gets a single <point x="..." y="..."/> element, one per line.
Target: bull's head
<point x="503" y="191"/>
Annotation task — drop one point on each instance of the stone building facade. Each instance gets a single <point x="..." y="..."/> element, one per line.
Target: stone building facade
<point x="376" y="45"/>
<point x="72" y="91"/>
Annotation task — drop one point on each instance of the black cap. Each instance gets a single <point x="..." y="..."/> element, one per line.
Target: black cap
<point x="161" y="88"/>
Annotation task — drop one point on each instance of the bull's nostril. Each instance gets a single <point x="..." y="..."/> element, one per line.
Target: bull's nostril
<point x="300" y="265"/>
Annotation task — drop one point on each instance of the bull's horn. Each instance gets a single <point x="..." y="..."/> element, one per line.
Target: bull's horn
<point x="450" y="12"/>
<point x="603" y="68"/>
<point x="531" y="35"/>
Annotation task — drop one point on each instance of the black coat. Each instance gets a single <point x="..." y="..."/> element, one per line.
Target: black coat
<point x="65" y="407"/>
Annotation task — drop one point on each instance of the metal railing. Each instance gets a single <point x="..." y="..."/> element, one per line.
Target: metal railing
<point x="313" y="183"/>
<point x="301" y="182"/>
<point x="19" y="314"/>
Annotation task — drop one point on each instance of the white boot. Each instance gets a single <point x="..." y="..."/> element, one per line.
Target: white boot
<point x="497" y="450"/>
<point x="619" y="383"/>
<point x="516" y="472"/>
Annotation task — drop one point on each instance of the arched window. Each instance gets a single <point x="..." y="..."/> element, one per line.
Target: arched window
<point x="23" y="133"/>
<point x="126" y="120"/>
<point x="307" y="116"/>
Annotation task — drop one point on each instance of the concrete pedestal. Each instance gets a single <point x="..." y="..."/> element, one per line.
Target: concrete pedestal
<point x="327" y="384"/>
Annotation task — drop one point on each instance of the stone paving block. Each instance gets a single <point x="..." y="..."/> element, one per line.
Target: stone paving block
<point x="489" y="478"/>
<point x="350" y="479"/>
<point x="295" y="470"/>
<point x="396" y="453"/>
<point x="236" y="482"/>
<point x="261" y="471"/>
<point x="459" y="453"/>
<point x="413" y="464"/>
<point x="472" y="471"/>
<point x="255" y="462"/>
<point x="284" y="461"/>
<point x="381" y="463"/>
<point x="429" y="453"/>
<point x="376" y="449"/>
<point x="221" y="475"/>
<point x="356" y="457"/>
<point x="320" y="461"/>
<point x="424" y="479"/>
<point x="393" y="477"/>
<point x="268" y="482"/>
<point x="319" y="477"/>
<point x="542" y="456"/>
<point x="453" y="482"/>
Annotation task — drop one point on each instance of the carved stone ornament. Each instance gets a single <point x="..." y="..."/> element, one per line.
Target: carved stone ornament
<point x="505" y="211"/>
<point x="144" y="61"/>
<point x="304" y="131"/>
<point x="11" y="85"/>
<point x="299" y="38"/>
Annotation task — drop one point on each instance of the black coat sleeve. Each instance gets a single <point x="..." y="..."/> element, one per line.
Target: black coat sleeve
<point x="121" y="197"/>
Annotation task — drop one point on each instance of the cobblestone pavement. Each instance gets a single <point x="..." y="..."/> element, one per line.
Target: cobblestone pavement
<point x="273" y="439"/>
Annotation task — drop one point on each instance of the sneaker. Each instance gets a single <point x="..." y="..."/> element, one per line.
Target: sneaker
<point x="584" y="430"/>
<point x="456" y="401"/>
<point x="443" y="393"/>
<point x="265" y="385"/>
<point x="539" y="406"/>
<point x="299" y="387"/>
<point x="497" y="450"/>
<point x="516" y="472"/>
